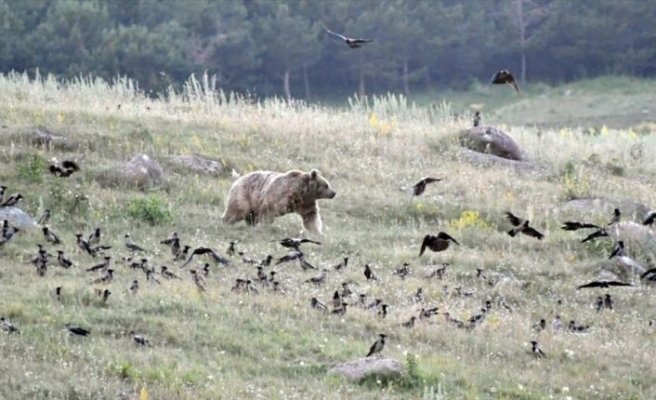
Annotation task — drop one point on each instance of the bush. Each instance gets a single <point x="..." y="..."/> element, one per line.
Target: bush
<point x="32" y="168"/>
<point x="151" y="210"/>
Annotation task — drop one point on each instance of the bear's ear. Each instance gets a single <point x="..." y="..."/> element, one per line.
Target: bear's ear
<point x="313" y="174"/>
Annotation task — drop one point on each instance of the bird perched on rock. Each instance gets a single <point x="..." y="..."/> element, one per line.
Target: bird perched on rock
<point x="420" y="186"/>
<point x="57" y="294"/>
<point x="504" y="77"/>
<point x="130" y="244"/>
<point x="419" y="296"/>
<point x="351" y="42"/>
<point x="603" y="284"/>
<point x="76" y="330"/>
<point x="294" y="243"/>
<point x="536" y="350"/>
<point x="522" y="226"/>
<point x="378" y="345"/>
<point x="12" y="200"/>
<point x="65" y="169"/>
<point x="437" y="243"/>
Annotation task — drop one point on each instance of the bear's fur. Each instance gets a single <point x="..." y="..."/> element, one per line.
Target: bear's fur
<point x="261" y="196"/>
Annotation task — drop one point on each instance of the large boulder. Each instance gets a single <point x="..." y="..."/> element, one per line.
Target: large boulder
<point x="16" y="217"/>
<point x="488" y="160"/>
<point x="486" y="139"/>
<point x="386" y="368"/>
<point x="143" y="171"/>
<point x="198" y="164"/>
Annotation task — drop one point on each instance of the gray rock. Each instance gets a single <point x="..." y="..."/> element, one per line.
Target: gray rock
<point x="489" y="140"/>
<point x="46" y="139"/>
<point x="592" y="207"/>
<point x="486" y="160"/>
<point x="198" y="163"/>
<point x="143" y="171"/>
<point x="17" y="217"/>
<point x="363" y="367"/>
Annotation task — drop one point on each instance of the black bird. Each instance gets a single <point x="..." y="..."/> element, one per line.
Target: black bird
<point x="436" y="243"/>
<point x="535" y="349"/>
<point x="216" y="257"/>
<point x="2" y="192"/>
<point x="105" y="295"/>
<point x="84" y="245"/>
<point x="603" y="284"/>
<point x="608" y="301"/>
<point x="649" y="275"/>
<point x="294" y="255"/>
<point x="341" y="265"/>
<point x="267" y="261"/>
<point x="76" y="330"/>
<point x="410" y="323"/>
<point x="383" y="311"/>
<point x="599" y="304"/>
<point x="50" y="236"/>
<point x="58" y="294"/>
<point x="245" y="258"/>
<point x="424" y="313"/>
<point x="63" y="261"/>
<point x="139" y="339"/>
<point x="317" y="280"/>
<point x="340" y="311"/>
<point x="477" y="118"/>
<point x="294" y="243"/>
<point x="617" y="216"/>
<point x="618" y="250"/>
<point x="130" y="244"/>
<point x="102" y="266"/>
<point x="94" y="238"/>
<point x="304" y="264"/>
<point x="168" y="274"/>
<point x="403" y="271"/>
<point x="540" y="326"/>
<point x="650" y="218"/>
<point x="182" y="253"/>
<point x="12" y="200"/>
<point x="65" y="169"/>
<point x="206" y="269"/>
<point x="420" y="186"/>
<point x="596" y="234"/>
<point x="573" y="226"/>
<point x="419" y="296"/>
<point x="169" y="241"/>
<point x="108" y="277"/>
<point x="7" y="326"/>
<point x="317" y="305"/>
<point x="352" y="43"/>
<point x="337" y="299"/>
<point x="45" y="217"/>
<point x="577" y="328"/>
<point x="231" y="248"/>
<point x="504" y="77"/>
<point x="369" y="274"/>
<point x="378" y="345"/>
<point x="134" y="288"/>
<point x="522" y="226"/>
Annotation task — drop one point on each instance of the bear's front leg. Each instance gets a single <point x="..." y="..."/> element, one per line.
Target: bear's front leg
<point x="312" y="221"/>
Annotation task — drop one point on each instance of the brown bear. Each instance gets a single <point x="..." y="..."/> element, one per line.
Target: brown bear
<point x="261" y="196"/>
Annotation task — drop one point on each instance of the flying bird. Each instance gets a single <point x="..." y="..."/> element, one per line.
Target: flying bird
<point x="504" y="77"/>
<point x="351" y="42"/>
<point x="216" y="257"/>
<point x="420" y="186"/>
<point x="596" y="234"/>
<point x="650" y="218"/>
<point x="618" y="250"/>
<point x="378" y="345"/>
<point x="436" y="243"/>
<point x="573" y="226"/>
<point x="294" y="243"/>
<point x="603" y="284"/>
<point x="522" y="226"/>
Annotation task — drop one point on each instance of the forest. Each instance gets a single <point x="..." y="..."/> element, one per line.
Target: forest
<point x="266" y="47"/>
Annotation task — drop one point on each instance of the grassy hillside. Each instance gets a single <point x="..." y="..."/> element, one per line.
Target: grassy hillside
<point x="225" y="345"/>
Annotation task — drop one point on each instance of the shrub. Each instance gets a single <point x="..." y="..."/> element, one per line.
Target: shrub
<point x="151" y="210"/>
<point x="32" y="168"/>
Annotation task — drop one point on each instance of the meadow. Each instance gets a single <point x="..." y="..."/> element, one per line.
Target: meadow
<point x="592" y="139"/>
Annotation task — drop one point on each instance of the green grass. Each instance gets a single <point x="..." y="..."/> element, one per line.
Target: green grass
<point x="225" y="345"/>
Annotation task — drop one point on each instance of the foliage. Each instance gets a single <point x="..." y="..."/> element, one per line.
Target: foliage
<point x="280" y="47"/>
<point x="151" y="210"/>
<point x="32" y="168"/>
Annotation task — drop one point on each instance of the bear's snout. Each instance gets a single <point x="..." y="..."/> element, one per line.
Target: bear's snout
<point x="332" y="194"/>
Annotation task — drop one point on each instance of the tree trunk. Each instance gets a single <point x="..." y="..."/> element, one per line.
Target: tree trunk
<point x="288" y="93"/>
<point x="406" y="84"/>
<point x="306" y="82"/>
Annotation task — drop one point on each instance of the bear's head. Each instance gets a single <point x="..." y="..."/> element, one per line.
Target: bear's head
<point x="319" y="186"/>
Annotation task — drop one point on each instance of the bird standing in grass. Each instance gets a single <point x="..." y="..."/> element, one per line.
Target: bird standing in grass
<point x="317" y="280"/>
<point x="318" y="305"/>
<point x="12" y="200"/>
<point x="62" y="260"/>
<point x="50" y="236"/>
<point x="45" y="217"/>
<point x="536" y="350"/>
<point x="369" y="274"/>
<point x="94" y="237"/>
<point x="130" y="244"/>
<point x="134" y="288"/>
<point x="608" y="301"/>
<point x="76" y="330"/>
<point x="198" y="280"/>
<point x="7" y="326"/>
<point x="378" y="345"/>
<point x="341" y="265"/>
<point x="139" y="339"/>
